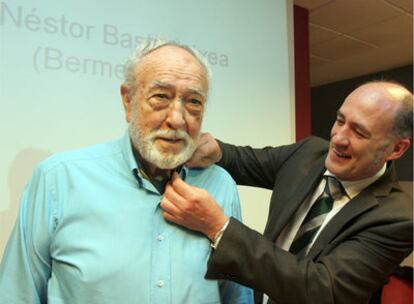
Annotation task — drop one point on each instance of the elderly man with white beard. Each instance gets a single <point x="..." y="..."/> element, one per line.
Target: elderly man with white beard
<point x="90" y="228"/>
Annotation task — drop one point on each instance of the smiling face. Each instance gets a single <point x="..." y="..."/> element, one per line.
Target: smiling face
<point x="361" y="138"/>
<point x="166" y="111"/>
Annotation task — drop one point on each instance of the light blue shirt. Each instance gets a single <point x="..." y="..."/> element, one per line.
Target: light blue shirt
<point x="91" y="231"/>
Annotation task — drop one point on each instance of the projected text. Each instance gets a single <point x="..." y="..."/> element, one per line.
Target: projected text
<point x="53" y="58"/>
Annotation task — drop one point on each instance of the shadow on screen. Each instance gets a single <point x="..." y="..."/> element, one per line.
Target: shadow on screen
<point x="19" y="173"/>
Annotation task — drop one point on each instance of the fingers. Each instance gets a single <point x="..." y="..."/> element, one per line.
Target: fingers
<point x="195" y="161"/>
<point x="171" y="194"/>
<point x="181" y="188"/>
<point x="192" y="207"/>
<point x="170" y="218"/>
<point x="176" y="206"/>
<point x="169" y="207"/>
<point x="171" y="212"/>
<point x="172" y="202"/>
<point x="204" y="139"/>
<point x="201" y="156"/>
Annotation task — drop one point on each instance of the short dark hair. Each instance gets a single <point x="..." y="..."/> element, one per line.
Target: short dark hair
<point x="403" y="121"/>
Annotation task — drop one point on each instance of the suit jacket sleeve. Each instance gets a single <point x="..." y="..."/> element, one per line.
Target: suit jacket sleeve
<point x="260" y="167"/>
<point x="349" y="273"/>
<point x="347" y="270"/>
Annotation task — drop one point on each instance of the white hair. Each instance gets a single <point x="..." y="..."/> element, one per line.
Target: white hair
<point x="148" y="46"/>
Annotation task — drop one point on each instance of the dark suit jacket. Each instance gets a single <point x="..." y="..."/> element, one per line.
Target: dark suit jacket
<point x="351" y="258"/>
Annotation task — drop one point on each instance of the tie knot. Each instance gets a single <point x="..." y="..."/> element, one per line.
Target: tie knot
<point x="333" y="188"/>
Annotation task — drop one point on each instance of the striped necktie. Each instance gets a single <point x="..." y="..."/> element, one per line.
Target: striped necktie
<point x="316" y="216"/>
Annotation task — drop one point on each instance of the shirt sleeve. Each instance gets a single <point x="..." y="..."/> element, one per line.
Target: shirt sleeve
<point x="232" y="292"/>
<point x="26" y="264"/>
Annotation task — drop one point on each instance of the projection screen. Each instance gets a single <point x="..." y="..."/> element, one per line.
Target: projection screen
<point x="61" y="66"/>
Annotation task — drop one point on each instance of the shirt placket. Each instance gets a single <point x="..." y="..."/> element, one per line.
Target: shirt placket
<point x="161" y="260"/>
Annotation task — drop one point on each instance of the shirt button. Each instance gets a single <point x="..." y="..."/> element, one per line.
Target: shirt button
<point x="160" y="238"/>
<point x="160" y="283"/>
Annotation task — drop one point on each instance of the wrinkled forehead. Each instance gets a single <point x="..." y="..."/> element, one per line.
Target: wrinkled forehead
<point x="174" y="67"/>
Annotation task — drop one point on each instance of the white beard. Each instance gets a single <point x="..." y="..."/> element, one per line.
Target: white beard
<point x="146" y="147"/>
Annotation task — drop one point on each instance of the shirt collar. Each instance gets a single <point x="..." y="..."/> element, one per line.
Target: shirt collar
<point x="353" y="188"/>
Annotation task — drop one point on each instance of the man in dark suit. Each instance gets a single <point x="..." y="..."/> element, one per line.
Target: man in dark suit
<point x="349" y="246"/>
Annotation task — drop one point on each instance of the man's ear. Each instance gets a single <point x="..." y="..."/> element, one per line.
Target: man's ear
<point x="400" y="147"/>
<point x="126" y="101"/>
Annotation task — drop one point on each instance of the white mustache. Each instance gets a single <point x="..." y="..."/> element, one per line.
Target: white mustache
<point x="170" y="134"/>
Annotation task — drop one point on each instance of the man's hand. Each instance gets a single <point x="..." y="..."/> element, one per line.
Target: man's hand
<point x="207" y="153"/>
<point x="192" y="207"/>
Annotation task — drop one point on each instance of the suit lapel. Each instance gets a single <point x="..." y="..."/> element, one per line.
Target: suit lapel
<point x="287" y="203"/>
<point x="359" y="204"/>
<point x="353" y="208"/>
